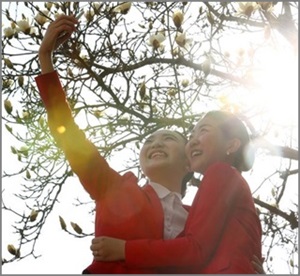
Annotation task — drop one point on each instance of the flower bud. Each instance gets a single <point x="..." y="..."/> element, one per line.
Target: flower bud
<point x="142" y="90"/>
<point x="62" y="223"/>
<point x="33" y="215"/>
<point x="9" y="32"/>
<point x="76" y="227"/>
<point x="8" y="106"/>
<point x="185" y="82"/>
<point x="177" y="18"/>
<point x="206" y="66"/>
<point x="8" y="63"/>
<point x="21" y="80"/>
<point x="123" y="8"/>
<point x="12" y="250"/>
<point x="28" y="176"/>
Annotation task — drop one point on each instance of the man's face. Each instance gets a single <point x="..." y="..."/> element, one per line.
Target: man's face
<point x="163" y="150"/>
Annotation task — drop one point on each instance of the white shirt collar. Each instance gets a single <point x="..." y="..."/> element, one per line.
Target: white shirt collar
<point x="162" y="191"/>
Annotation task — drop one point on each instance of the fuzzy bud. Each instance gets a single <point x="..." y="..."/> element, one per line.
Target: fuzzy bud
<point x="178" y="18"/>
<point x="76" y="228"/>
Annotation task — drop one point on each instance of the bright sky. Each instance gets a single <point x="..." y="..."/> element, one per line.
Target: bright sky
<point x="63" y="254"/>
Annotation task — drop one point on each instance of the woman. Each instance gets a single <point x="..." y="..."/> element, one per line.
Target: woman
<point x="123" y="208"/>
<point x="222" y="231"/>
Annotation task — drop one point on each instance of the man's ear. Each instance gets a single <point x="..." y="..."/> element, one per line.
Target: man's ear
<point x="233" y="145"/>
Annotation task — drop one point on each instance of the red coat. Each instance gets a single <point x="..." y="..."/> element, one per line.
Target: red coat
<point x="123" y="209"/>
<point x="221" y="235"/>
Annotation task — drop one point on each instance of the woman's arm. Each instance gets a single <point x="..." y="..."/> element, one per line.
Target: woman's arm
<point x="112" y="249"/>
<point x="84" y="158"/>
<point x="204" y="227"/>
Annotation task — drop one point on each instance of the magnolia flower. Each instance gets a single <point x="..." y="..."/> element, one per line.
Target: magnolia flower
<point x="185" y="82"/>
<point x="96" y="6"/>
<point x="25" y="115"/>
<point x="266" y="6"/>
<point x="206" y="66"/>
<point x="56" y="15"/>
<point x="89" y="15"/>
<point x="9" y="32"/>
<point x="24" y="26"/>
<point x="123" y="8"/>
<point x="177" y="18"/>
<point x="182" y="41"/>
<point x="48" y="5"/>
<point x="156" y="41"/>
<point x="40" y="18"/>
<point x="247" y="8"/>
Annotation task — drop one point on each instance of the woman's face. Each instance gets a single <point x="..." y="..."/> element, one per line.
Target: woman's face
<point x="164" y="150"/>
<point x="206" y="145"/>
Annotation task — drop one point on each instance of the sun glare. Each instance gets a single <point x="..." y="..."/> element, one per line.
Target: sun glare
<point x="278" y="86"/>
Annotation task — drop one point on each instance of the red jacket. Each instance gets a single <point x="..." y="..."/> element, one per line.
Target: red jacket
<point x="221" y="235"/>
<point x="123" y="209"/>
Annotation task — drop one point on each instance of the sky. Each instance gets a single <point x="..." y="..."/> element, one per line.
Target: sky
<point x="62" y="253"/>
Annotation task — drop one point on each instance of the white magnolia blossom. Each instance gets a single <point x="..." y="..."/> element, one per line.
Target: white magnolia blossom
<point x="247" y="8"/>
<point x="89" y="14"/>
<point x="156" y="41"/>
<point x="24" y="26"/>
<point x="123" y="8"/>
<point x="96" y="6"/>
<point x="182" y="40"/>
<point x="40" y="18"/>
<point x="9" y="32"/>
<point x="266" y="6"/>
<point x="48" y="5"/>
<point x="178" y="18"/>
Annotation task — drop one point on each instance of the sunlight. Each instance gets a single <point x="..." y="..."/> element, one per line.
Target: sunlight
<point x="278" y="81"/>
<point x="273" y="80"/>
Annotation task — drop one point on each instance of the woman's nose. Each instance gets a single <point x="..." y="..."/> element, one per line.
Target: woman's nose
<point x="156" y="144"/>
<point x="193" y="141"/>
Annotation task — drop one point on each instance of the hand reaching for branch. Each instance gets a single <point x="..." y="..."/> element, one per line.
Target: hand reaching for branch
<point x="258" y="265"/>
<point x="57" y="33"/>
<point x="108" y="249"/>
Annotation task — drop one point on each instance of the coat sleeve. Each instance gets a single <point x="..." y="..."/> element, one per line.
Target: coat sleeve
<point x="210" y="210"/>
<point x="82" y="155"/>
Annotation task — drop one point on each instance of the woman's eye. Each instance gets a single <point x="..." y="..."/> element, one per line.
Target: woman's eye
<point x="169" y="138"/>
<point x="147" y="141"/>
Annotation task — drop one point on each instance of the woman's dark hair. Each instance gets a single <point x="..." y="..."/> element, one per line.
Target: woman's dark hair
<point x="232" y="127"/>
<point x="189" y="175"/>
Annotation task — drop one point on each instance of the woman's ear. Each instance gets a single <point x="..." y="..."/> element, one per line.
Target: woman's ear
<point x="233" y="146"/>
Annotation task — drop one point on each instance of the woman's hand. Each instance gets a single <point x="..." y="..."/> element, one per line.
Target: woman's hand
<point x="108" y="249"/>
<point x="57" y="33"/>
<point x="258" y="265"/>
